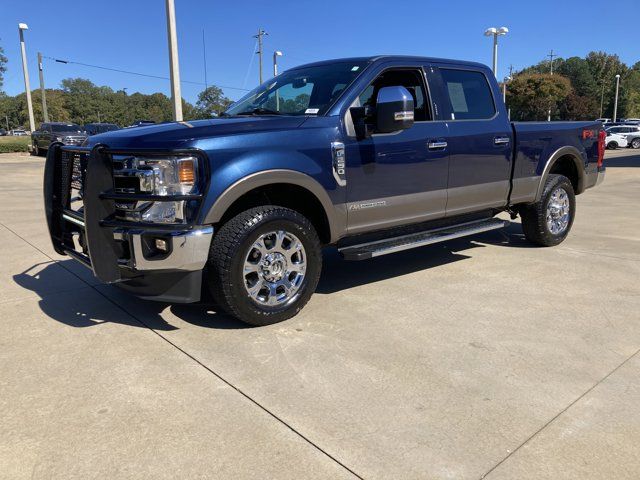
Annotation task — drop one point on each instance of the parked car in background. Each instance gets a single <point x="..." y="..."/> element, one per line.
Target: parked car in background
<point x="615" y="140"/>
<point x="632" y="121"/>
<point x="3" y="132"/>
<point x="60" y="132"/>
<point x="603" y="120"/>
<point x="623" y="129"/>
<point x="141" y="123"/>
<point x="96" y="128"/>
<point x="633" y="140"/>
<point x="18" y="132"/>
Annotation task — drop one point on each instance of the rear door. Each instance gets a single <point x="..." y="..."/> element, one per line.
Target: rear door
<point x="479" y="140"/>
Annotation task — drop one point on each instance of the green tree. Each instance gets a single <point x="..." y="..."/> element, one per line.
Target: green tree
<point x="604" y="67"/>
<point x="210" y="102"/>
<point x="578" y="72"/>
<point x="531" y="96"/>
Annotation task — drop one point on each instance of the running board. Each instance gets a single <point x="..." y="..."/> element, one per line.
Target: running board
<point x="364" y="251"/>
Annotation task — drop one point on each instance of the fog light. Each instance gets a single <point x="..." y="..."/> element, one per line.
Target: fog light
<point x="161" y="245"/>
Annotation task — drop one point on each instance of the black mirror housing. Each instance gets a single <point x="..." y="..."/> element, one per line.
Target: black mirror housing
<point x="394" y="110"/>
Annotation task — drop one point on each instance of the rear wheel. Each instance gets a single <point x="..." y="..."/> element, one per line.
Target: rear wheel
<point x="548" y="221"/>
<point x="264" y="265"/>
<point x="635" y="143"/>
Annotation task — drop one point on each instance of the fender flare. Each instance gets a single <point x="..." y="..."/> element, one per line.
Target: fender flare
<point x="336" y="214"/>
<point x="567" y="151"/>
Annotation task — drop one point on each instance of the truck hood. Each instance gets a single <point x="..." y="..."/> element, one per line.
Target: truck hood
<point x="183" y="134"/>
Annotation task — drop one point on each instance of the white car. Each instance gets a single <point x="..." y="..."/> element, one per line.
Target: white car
<point x="619" y="136"/>
<point x="615" y="140"/>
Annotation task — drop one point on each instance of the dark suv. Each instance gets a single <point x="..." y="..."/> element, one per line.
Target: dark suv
<point x="59" y="132"/>
<point x="96" y="128"/>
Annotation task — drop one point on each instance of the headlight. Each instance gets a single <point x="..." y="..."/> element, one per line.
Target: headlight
<point x="162" y="176"/>
<point x="168" y="176"/>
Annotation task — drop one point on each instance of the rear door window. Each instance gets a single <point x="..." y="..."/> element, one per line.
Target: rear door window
<point x="469" y="94"/>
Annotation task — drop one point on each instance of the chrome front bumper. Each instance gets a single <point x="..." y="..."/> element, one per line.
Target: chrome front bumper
<point x="189" y="249"/>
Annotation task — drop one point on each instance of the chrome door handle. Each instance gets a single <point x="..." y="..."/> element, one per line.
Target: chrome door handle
<point x="437" y="145"/>
<point x="501" y="140"/>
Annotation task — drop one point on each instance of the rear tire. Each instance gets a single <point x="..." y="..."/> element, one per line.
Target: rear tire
<point x="264" y="265"/>
<point x="548" y="221"/>
<point x="635" y="143"/>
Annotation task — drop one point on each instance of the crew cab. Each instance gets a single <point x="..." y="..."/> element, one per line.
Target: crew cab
<point x="56" y="132"/>
<point x="370" y="155"/>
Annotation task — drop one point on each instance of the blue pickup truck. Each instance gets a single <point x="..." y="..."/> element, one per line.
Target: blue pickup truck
<point x="370" y="155"/>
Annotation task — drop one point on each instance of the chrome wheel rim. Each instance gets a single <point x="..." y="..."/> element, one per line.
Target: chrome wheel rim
<point x="558" y="211"/>
<point x="274" y="268"/>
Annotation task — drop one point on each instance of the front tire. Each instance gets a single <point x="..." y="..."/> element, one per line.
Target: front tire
<point x="612" y="145"/>
<point x="548" y="221"/>
<point x="264" y="265"/>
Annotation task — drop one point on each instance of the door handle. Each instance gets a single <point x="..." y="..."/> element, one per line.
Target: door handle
<point x="435" y="145"/>
<point x="501" y="141"/>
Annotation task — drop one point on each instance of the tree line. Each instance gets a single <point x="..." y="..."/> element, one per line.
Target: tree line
<point x="578" y="89"/>
<point x="81" y="101"/>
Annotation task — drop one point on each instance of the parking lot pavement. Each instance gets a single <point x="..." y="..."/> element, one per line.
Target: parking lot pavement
<point x="480" y="357"/>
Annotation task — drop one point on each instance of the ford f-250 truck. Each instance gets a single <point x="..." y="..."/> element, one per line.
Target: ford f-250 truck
<point x="371" y="155"/>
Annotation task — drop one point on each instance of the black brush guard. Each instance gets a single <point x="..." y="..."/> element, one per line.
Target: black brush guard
<point x="94" y="244"/>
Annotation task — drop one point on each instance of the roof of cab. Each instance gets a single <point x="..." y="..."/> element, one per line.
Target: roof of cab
<point x="388" y="58"/>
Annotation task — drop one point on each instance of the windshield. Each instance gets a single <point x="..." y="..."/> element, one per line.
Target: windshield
<point x="72" y="127"/>
<point x="303" y="91"/>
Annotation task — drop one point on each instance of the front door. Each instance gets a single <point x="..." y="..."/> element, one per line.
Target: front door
<point x="480" y="142"/>
<point x="397" y="178"/>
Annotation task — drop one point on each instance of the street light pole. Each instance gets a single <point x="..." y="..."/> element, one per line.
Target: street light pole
<point x="174" y="67"/>
<point x="45" y="113"/>
<point x="276" y="54"/>
<point x="495" y="33"/>
<point x="615" y="105"/>
<point x="21" y="28"/>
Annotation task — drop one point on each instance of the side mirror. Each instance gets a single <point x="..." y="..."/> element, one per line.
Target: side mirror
<point x="394" y="110"/>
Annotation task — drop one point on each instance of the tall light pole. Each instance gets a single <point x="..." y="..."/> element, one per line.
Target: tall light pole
<point x="276" y="54"/>
<point x="615" y="104"/>
<point x="45" y="113"/>
<point x="174" y="67"/>
<point x="495" y="33"/>
<point x="261" y="33"/>
<point x="21" y="28"/>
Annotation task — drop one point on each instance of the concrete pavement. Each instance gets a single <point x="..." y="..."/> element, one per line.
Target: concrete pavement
<point x="482" y="357"/>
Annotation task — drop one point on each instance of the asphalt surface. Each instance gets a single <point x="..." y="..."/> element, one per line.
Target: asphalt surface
<point x="479" y="358"/>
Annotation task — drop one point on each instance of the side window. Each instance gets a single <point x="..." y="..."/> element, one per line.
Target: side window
<point x="411" y="79"/>
<point x="469" y="94"/>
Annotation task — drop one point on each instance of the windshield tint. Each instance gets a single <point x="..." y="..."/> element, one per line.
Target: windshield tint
<point x="72" y="127"/>
<point x="303" y="91"/>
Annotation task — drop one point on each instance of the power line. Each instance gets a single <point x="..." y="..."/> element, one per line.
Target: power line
<point x="136" y="73"/>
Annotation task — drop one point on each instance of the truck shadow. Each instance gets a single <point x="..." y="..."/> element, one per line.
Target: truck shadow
<point x="623" y="161"/>
<point x="90" y="306"/>
<point x="339" y="274"/>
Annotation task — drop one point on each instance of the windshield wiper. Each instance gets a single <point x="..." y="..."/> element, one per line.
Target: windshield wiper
<point x="260" y="111"/>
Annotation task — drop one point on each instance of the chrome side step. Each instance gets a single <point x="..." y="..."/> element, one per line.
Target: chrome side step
<point x="364" y="251"/>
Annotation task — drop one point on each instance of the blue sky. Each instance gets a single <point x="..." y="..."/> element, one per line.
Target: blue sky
<point x="131" y="35"/>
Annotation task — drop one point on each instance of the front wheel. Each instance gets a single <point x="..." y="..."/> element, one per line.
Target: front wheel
<point x="264" y="265"/>
<point x="612" y="145"/>
<point x="548" y="221"/>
